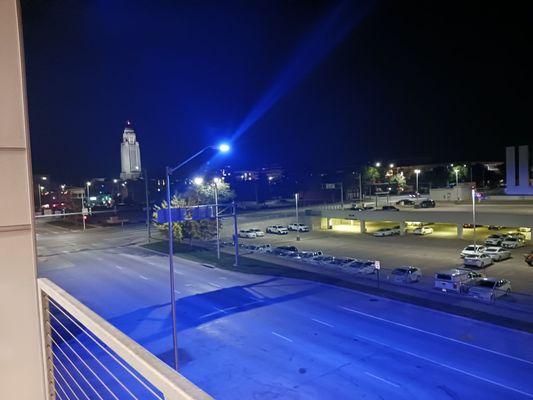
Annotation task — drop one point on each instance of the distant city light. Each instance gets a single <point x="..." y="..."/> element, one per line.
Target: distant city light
<point x="224" y="148"/>
<point x="198" y="180"/>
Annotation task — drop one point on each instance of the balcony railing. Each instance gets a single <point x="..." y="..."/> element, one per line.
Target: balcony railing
<point x="85" y="357"/>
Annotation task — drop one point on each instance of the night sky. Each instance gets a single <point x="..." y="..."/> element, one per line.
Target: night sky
<point x="325" y="84"/>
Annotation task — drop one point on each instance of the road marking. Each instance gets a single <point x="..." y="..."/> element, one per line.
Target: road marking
<point x="143" y="277"/>
<point x="188" y="284"/>
<point x="118" y="266"/>
<point x="221" y="310"/>
<point x="222" y="277"/>
<point x="437" y="335"/>
<point x="210" y="314"/>
<point x="322" y="322"/>
<point x="447" y="366"/>
<point x="382" y="379"/>
<point x="177" y="291"/>
<point x="214" y="284"/>
<point x="281" y="336"/>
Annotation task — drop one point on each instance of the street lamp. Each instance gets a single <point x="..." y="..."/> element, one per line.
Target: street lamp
<point x="223" y="148"/>
<point x="297" y="217"/>
<point x="456" y="170"/>
<point x="63" y="187"/>
<point x="198" y="181"/>
<point x="391" y="165"/>
<point x="378" y="164"/>
<point x="417" y="172"/>
<point x="216" y="181"/>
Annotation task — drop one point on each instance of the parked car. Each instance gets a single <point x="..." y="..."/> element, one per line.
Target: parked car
<point x="406" y="274"/>
<point x="321" y="260"/>
<point x="284" y="249"/>
<point x="495" y="227"/>
<point x="298" y="227"/>
<point x="387" y="231"/>
<point x="494" y="240"/>
<point x="247" y="233"/>
<point x="478" y="260"/>
<point x="524" y="229"/>
<point x="291" y="255"/>
<point x="497" y="253"/>
<point x="423" y="230"/>
<point x="454" y="280"/>
<point x="512" y="242"/>
<point x="361" y="267"/>
<point x="307" y="255"/>
<point x="471" y="226"/>
<point x="490" y="288"/>
<point x="519" y="235"/>
<point x="258" y="232"/>
<point x="405" y="202"/>
<point x="390" y="208"/>
<point x="528" y="258"/>
<point x="472" y="250"/>
<point x="426" y="204"/>
<point x="341" y="262"/>
<point x="277" y="230"/>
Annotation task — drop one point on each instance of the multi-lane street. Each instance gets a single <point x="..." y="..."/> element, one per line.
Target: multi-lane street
<point x="248" y="336"/>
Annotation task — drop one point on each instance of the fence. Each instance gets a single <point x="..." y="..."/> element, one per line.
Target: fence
<point x="85" y="357"/>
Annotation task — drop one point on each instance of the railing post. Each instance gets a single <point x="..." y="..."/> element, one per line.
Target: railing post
<point x="46" y="339"/>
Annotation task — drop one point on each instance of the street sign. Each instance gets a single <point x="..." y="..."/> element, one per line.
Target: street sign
<point x="377" y="265"/>
<point x="186" y="214"/>
<point x="329" y="186"/>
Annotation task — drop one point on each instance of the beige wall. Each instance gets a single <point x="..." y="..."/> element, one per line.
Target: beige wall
<point x="21" y="371"/>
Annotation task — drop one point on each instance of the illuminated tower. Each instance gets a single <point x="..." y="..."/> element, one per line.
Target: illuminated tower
<point x="130" y="154"/>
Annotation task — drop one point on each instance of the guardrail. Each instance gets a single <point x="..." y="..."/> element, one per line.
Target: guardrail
<point x="85" y="357"/>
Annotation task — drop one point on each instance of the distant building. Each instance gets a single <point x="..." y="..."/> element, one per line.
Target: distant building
<point x="130" y="154"/>
<point x="518" y="171"/>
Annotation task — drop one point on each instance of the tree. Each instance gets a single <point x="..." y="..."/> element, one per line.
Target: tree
<point x="371" y="174"/>
<point x="197" y="195"/>
<point x="399" y="180"/>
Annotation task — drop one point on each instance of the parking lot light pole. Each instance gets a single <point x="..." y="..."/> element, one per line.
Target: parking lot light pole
<point x="417" y="172"/>
<point x="297" y="217"/>
<point x="216" y="181"/>
<point x="474" y="213"/>
<point x="456" y="170"/>
<point x="223" y="148"/>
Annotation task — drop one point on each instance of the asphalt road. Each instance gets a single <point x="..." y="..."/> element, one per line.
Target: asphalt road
<point x="245" y="336"/>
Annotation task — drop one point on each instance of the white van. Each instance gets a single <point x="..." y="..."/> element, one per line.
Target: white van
<point x="452" y="280"/>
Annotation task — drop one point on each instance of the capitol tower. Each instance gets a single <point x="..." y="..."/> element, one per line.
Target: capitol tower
<point x="130" y="154"/>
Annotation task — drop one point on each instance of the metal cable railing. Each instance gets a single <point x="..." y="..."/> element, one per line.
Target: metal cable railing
<point x="87" y="358"/>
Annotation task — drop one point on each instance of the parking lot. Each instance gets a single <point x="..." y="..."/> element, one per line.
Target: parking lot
<point x="431" y="253"/>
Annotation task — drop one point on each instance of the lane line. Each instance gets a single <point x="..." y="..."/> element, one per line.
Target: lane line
<point x="210" y="314"/>
<point x="214" y="284"/>
<point x="447" y="366"/>
<point x="322" y="322"/>
<point x="223" y="277"/>
<point x="382" y="379"/>
<point x="118" y="267"/>
<point x="221" y="310"/>
<point x="437" y="335"/>
<point x="189" y="284"/>
<point x="143" y="277"/>
<point x="177" y="291"/>
<point x="283" y="337"/>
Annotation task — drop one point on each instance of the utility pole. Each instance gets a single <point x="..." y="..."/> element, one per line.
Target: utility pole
<point x="342" y="195"/>
<point x="474" y="213"/>
<point x="361" y="189"/>
<point x="235" y="234"/>
<point x="297" y="217"/>
<point x="215" y="182"/>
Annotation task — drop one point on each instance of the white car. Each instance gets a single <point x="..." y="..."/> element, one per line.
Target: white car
<point x="498" y="253"/>
<point x="524" y="229"/>
<point x="247" y="233"/>
<point x="423" y="230"/>
<point x="512" y="242"/>
<point x="473" y="250"/>
<point x="406" y="274"/>
<point x="277" y="230"/>
<point x="494" y="240"/>
<point x="387" y="231"/>
<point x="298" y="227"/>
<point x="478" y="260"/>
<point x="307" y="255"/>
<point x="490" y="288"/>
<point x="361" y="267"/>
<point x="258" y="232"/>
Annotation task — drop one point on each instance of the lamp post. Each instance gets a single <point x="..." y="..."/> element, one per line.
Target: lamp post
<point x="39" y="187"/>
<point x="216" y="181"/>
<point x="456" y="170"/>
<point x="297" y="217"/>
<point x="417" y="172"/>
<point x="474" y="213"/>
<point x="223" y="148"/>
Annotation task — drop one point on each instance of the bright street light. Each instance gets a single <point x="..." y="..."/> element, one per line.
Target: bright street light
<point x="115" y="180"/>
<point x="391" y="166"/>
<point x="217" y="180"/>
<point x="378" y="164"/>
<point x="224" y="148"/>
<point x="44" y="178"/>
<point x="198" y="180"/>
<point x="417" y="171"/>
<point x="456" y="170"/>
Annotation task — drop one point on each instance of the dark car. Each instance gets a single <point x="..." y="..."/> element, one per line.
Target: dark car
<point x="426" y="204"/>
<point x="390" y="208"/>
<point x="284" y="250"/>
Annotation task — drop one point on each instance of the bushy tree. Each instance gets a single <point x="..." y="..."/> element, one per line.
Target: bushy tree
<point x="196" y="195"/>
